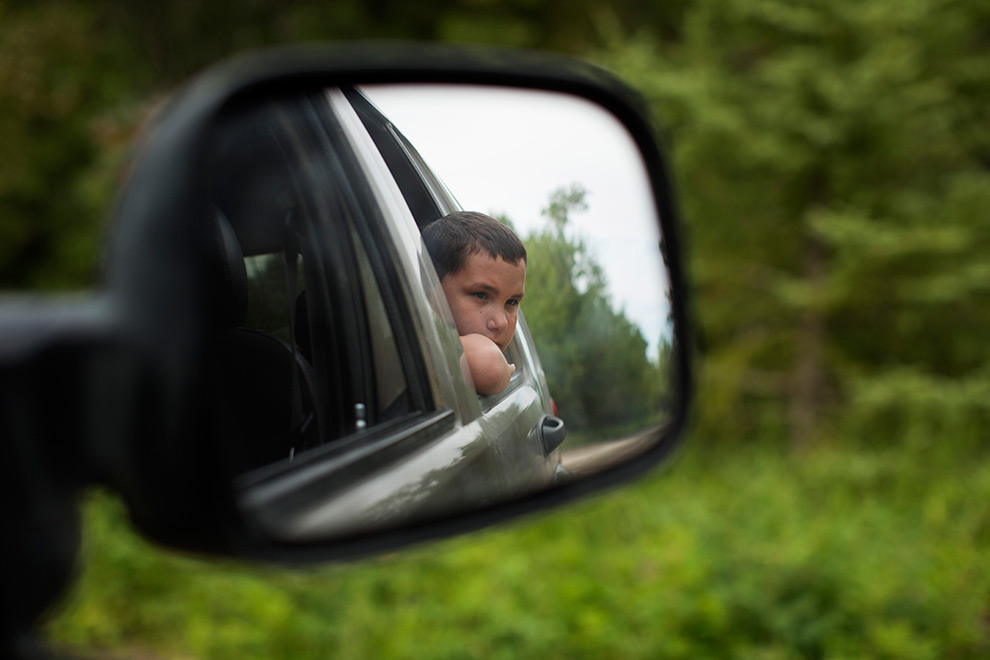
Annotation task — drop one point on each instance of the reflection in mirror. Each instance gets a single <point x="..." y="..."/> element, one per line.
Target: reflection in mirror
<point x="566" y="175"/>
<point x="341" y="381"/>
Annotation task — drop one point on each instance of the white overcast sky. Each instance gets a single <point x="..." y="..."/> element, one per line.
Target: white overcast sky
<point x="503" y="151"/>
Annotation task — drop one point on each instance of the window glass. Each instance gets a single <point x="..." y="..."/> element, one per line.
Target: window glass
<point x="391" y="388"/>
<point x="268" y="294"/>
<point x="515" y="356"/>
<point x="319" y="351"/>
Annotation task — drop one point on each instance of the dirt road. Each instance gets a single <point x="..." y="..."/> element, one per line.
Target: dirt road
<point x="597" y="456"/>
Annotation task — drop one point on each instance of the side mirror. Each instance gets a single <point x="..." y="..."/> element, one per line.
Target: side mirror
<point x="278" y="374"/>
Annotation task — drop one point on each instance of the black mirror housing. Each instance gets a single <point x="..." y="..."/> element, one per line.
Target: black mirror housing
<point x="151" y="425"/>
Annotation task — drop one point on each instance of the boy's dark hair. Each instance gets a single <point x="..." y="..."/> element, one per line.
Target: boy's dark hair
<point x="453" y="237"/>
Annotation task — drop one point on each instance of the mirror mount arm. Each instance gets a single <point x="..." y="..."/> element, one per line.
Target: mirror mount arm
<point x="49" y="353"/>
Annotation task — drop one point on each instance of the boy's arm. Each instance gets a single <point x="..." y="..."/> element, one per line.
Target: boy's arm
<point x="489" y="369"/>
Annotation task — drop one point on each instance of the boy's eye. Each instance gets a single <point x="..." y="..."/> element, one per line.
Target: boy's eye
<point x="512" y="302"/>
<point x="480" y="295"/>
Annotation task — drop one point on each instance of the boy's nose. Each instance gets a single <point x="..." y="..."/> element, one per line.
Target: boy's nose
<point x="497" y="322"/>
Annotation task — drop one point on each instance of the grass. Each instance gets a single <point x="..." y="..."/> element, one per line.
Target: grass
<point x="737" y="554"/>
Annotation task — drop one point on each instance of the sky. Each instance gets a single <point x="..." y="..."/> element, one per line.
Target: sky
<point x="503" y="151"/>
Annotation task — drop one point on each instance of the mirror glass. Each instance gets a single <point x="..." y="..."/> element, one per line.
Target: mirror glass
<point x="346" y="396"/>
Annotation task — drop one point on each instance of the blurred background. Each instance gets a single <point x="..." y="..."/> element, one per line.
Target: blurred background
<point x="832" y="160"/>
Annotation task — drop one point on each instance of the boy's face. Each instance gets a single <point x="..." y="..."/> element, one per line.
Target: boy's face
<point x="484" y="296"/>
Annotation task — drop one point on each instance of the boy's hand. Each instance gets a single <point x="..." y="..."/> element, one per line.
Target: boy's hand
<point x="489" y="369"/>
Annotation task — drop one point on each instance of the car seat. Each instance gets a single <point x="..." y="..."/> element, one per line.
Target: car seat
<point x="267" y="383"/>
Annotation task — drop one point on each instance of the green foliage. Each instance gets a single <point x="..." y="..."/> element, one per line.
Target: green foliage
<point x="832" y="159"/>
<point x="583" y="342"/>
<point x="52" y="139"/>
<point x="832" y="163"/>
<point x="868" y="553"/>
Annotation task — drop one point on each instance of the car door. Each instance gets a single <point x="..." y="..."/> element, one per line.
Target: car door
<point x="372" y="351"/>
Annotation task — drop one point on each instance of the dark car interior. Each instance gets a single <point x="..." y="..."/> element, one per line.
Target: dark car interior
<point x="304" y="300"/>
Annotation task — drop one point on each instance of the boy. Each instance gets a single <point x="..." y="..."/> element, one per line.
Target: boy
<point x="482" y="267"/>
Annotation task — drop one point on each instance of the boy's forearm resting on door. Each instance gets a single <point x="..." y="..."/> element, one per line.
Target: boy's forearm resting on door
<point x="489" y="369"/>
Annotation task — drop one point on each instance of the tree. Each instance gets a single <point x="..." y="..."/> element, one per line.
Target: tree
<point x="583" y="342"/>
<point x="833" y="159"/>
